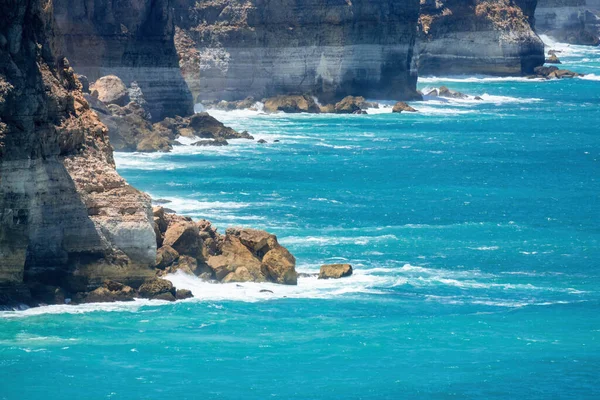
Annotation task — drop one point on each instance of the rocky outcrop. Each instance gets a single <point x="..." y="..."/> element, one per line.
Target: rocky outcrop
<point x="569" y="21"/>
<point x="335" y="271"/>
<point x="130" y="129"/>
<point x="553" y="72"/>
<point x="478" y="37"/>
<point x="241" y="255"/>
<point x="292" y="104"/>
<point x="402" y="106"/>
<point x="231" y="49"/>
<point x="130" y="39"/>
<point x="59" y="222"/>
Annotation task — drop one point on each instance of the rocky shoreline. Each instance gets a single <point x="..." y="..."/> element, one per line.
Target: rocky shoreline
<point x="78" y="82"/>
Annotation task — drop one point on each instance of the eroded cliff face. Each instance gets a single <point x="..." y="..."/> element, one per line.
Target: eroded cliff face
<point x="66" y="217"/>
<point x="231" y="49"/>
<point x="130" y="39"/>
<point x="478" y="37"/>
<point x="570" y="21"/>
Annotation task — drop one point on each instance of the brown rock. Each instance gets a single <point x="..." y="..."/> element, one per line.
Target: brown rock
<point x="445" y="92"/>
<point x="327" y="109"/>
<point x="182" y="294"/>
<point x="402" y="106"/>
<point x="292" y="104"/>
<point x="255" y="240"/>
<point x="280" y="265"/>
<point x="111" y="90"/>
<point x="349" y="104"/>
<point x="109" y="292"/>
<point x="183" y="236"/>
<point x="165" y="256"/>
<point x="233" y="256"/>
<point x="157" y="288"/>
<point x="335" y="271"/>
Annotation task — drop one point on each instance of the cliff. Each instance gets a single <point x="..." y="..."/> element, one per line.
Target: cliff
<point x="231" y="49"/>
<point x="570" y="21"/>
<point x="59" y="222"/>
<point x="130" y="39"/>
<point x="478" y="37"/>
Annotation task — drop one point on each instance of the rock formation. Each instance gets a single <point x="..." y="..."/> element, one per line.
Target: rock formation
<point x="335" y="271"/>
<point x="59" y="222"/>
<point x="231" y="49"/>
<point x="130" y="39"/>
<point x="241" y="255"/>
<point x="478" y="37"/>
<point x="570" y="21"/>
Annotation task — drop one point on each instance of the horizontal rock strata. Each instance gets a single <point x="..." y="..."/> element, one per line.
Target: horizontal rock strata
<point x="231" y="49"/>
<point x="478" y="37"/>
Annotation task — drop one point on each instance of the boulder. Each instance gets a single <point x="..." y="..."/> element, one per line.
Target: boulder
<point x="335" y="271"/>
<point x="215" y="142"/>
<point x="111" y="90"/>
<point x="182" y="294"/>
<point x="205" y="126"/>
<point x="233" y="256"/>
<point x="327" y="109"/>
<point x="109" y="292"/>
<point x="241" y="274"/>
<point x="280" y="265"/>
<point x="165" y="256"/>
<point x="349" y="104"/>
<point x="445" y="92"/>
<point x="402" y="106"/>
<point x="157" y="289"/>
<point x="553" y="59"/>
<point x="292" y="104"/>
<point x="255" y="240"/>
<point x="183" y="236"/>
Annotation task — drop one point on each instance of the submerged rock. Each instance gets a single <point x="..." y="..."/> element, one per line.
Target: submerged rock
<point x="335" y="271"/>
<point x="216" y="142"/>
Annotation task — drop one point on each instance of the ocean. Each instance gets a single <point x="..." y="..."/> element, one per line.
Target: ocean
<point x="473" y="230"/>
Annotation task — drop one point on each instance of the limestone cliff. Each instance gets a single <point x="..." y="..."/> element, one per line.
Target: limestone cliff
<point x="60" y="223"/>
<point x="130" y="39"/>
<point x="478" y="37"/>
<point x="570" y="21"/>
<point x="231" y="49"/>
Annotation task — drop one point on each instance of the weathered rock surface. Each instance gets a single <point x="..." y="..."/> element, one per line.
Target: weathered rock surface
<point x="233" y="49"/>
<point x="402" y="106"/>
<point x="478" y="37"/>
<point x="59" y="222"/>
<point x="292" y="104"/>
<point x="553" y="72"/>
<point x="335" y="271"/>
<point x="158" y="289"/>
<point x="111" y="291"/>
<point x="111" y="90"/>
<point x="569" y="21"/>
<point x="130" y="129"/>
<point x="241" y="255"/>
<point x="130" y="39"/>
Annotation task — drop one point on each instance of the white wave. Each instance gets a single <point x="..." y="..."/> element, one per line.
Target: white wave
<point x="129" y="306"/>
<point x="474" y="79"/>
<point x="590" y="77"/>
<point x="186" y="206"/>
<point x="308" y="288"/>
<point x="144" y="161"/>
<point x="333" y="240"/>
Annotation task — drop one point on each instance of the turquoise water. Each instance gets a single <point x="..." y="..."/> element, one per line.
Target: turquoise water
<point x="472" y="227"/>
